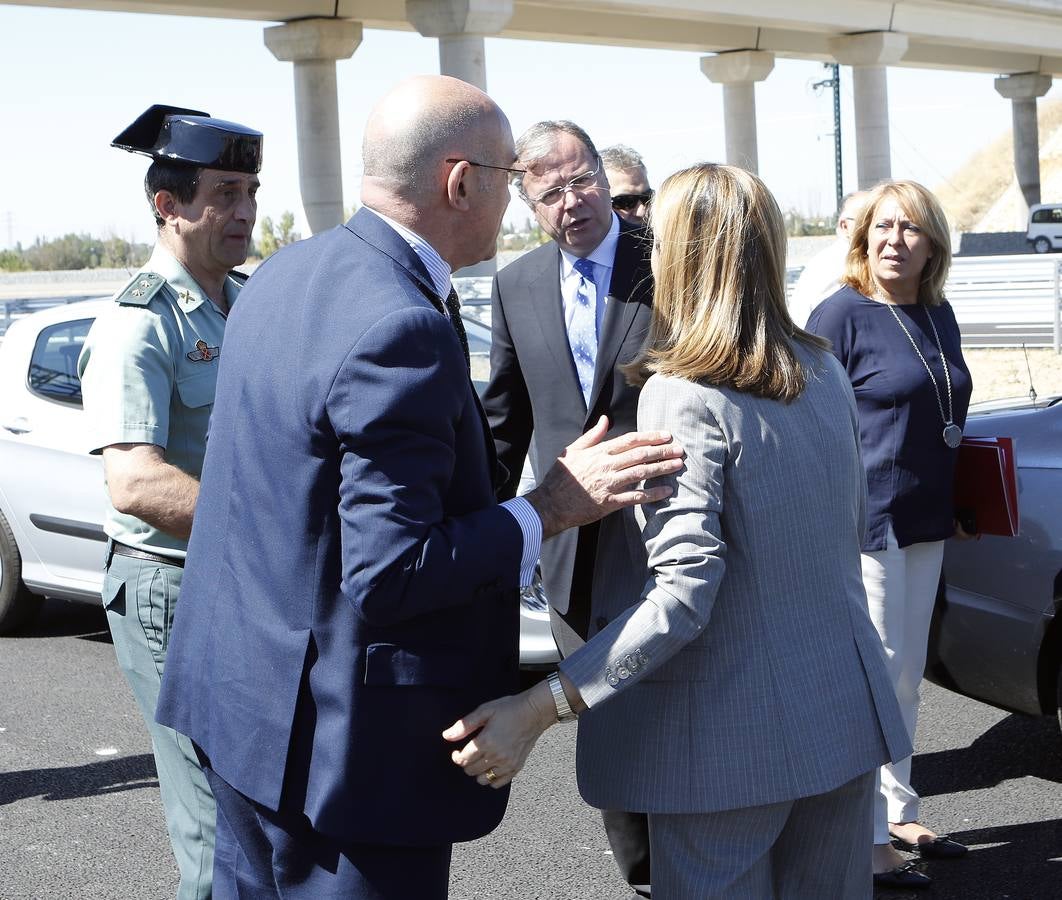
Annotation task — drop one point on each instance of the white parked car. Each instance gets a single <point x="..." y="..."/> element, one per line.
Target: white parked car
<point x="1045" y="227"/>
<point x="51" y="491"/>
<point x="52" y="497"/>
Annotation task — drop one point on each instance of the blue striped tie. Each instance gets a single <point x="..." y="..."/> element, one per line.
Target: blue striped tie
<point x="582" y="331"/>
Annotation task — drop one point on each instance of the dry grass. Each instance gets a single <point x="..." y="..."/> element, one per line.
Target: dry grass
<point x="971" y="192"/>
<point x="1003" y="372"/>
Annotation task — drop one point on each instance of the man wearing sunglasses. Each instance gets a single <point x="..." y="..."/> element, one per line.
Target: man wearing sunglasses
<point x="565" y="317"/>
<point x="629" y="182"/>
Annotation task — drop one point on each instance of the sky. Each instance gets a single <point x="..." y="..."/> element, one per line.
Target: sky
<point x="72" y="80"/>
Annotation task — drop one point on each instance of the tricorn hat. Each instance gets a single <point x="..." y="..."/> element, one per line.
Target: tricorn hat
<point x="173" y="134"/>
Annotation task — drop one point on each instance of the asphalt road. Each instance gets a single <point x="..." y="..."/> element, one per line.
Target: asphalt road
<point x="80" y="815"/>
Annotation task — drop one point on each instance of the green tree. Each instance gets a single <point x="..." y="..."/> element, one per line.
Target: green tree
<point x="13" y="260"/>
<point x="123" y="254"/>
<point x="71" y="251"/>
<point x="799" y="225"/>
<point x="273" y="237"/>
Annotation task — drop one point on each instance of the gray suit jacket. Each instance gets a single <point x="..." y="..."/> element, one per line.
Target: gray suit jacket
<point x="533" y="388"/>
<point x="748" y="671"/>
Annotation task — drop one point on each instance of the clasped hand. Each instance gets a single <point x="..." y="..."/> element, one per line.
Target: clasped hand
<point x="507" y="730"/>
<point x="592" y="478"/>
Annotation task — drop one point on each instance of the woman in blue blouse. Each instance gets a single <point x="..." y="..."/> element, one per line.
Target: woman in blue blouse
<point x="897" y="337"/>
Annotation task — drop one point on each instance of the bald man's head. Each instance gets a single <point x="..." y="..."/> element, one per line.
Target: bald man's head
<point x="422" y="122"/>
<point x="436" y="156"/>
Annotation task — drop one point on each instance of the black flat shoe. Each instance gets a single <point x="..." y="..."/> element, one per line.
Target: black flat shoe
<point x="905" y="876"/>
<point x="942" y="847"/>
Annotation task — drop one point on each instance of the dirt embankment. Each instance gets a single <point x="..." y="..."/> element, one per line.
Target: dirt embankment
<point x="1004" y="372"/>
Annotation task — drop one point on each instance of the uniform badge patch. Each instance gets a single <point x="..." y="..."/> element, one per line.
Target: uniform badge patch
<point x="203" y="353"/>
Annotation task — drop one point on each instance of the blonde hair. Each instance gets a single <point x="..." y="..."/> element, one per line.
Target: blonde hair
<point x="719" y="307"/>
<point x="925" y="211"/>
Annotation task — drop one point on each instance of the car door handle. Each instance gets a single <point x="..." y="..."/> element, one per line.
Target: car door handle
<point x="18" y="426"/>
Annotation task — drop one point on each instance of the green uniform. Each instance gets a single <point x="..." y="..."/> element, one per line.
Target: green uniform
<point x="148" y="373"/>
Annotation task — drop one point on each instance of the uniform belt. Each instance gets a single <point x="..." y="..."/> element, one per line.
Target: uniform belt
<point x="118" y="549"/>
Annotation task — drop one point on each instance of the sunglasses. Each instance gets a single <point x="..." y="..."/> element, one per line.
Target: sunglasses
<point x="630" y="201"/>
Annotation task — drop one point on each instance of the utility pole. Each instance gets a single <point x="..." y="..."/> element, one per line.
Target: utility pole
<point x="834" y="82"/>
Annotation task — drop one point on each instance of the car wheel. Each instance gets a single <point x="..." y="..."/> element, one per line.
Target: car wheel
<point x="1042" y="245"/>
<point x="17" y="604"/>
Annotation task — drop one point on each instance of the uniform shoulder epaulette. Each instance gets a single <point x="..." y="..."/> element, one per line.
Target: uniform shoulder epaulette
<point x="141" y="288"/>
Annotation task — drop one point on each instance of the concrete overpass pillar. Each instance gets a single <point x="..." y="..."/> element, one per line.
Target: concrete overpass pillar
<point x="460" y="26"/>
<point x="1022" y="91"/>
<point x="314" y="45"/>
<point x="738" y="71"/>
<point x="868" y="54"/>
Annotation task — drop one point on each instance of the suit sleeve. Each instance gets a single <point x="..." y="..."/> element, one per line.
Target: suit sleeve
<point x="686" y="552"/>
<point x="397" y="405"/>
<point x="507" y="402"/>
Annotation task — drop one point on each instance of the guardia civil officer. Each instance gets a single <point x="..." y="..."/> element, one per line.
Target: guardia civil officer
<point x="148" y="372"/>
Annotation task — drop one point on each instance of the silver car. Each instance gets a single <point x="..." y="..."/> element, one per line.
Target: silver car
<point x="997" y="628"/>
<point x="51" y="490"/>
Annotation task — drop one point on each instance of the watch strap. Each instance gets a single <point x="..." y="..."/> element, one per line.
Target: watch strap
<point x="564" y="709"/>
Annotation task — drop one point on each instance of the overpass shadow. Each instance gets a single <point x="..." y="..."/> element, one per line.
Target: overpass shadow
<point x="65" y="618"/>
<point x="1023" y="863"/>
<point x="108" y="776"/>
<point x="1018" y="746"/>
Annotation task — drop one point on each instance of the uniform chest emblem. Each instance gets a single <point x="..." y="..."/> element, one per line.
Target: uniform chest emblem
<point x="203" y="353"/>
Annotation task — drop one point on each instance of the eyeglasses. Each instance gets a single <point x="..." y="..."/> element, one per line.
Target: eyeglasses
<point x="480" y="165"/>
<point x="630" y="201"/>
<point x="579" y="183"/>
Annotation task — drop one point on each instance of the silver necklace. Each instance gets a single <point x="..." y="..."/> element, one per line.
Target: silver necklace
<point x="952" y="432"/>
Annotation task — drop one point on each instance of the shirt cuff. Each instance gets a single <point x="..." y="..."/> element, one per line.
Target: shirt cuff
<point x="531" y="528"/>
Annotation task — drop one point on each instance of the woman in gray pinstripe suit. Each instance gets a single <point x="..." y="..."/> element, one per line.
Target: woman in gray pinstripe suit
<point x="742" y="699"/>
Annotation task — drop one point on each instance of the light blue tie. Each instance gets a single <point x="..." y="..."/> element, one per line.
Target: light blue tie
<point x="582" y="331"/>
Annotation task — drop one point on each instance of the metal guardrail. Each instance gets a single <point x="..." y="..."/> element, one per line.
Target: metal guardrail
<point x="1002" y="291"/>
<point x="1006" y="291"/>
<point x="16" y="309"/>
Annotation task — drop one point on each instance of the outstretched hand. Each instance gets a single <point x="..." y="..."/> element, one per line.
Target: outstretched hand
<point x="508" y="729"/>
<point x="594" y="477"/>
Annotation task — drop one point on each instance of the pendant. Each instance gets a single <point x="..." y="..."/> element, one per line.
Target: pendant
<point x="952" y="435"/>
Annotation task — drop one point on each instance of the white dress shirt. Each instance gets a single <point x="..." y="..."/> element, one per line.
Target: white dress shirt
<point x="603" y="258"/>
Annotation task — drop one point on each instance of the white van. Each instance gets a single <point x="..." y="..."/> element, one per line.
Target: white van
<point x="1045" y="227"/>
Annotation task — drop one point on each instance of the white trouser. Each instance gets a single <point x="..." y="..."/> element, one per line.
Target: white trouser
<point x="901" y="589"/>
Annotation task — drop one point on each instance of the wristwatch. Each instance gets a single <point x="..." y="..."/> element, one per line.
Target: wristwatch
<point x="564" y="709"/>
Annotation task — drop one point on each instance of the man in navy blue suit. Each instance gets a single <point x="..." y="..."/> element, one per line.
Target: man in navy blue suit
<point x="351" y="584"/>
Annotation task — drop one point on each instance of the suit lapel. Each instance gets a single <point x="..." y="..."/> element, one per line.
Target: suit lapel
<point x="375" y="231"/>
<point x="492" y="453"/>
<point x="628" y="273"/>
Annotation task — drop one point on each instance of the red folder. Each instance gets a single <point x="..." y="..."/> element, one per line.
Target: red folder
<point x="986" y="484"/>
